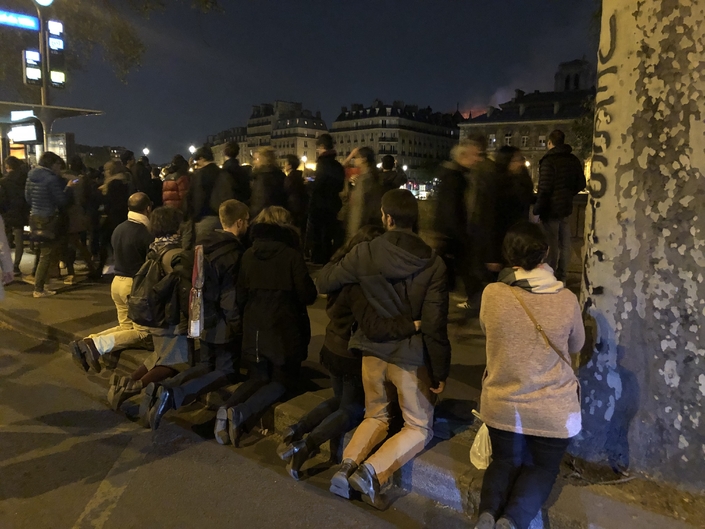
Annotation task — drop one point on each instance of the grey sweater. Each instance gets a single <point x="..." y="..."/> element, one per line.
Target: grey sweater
<point x="528" y="388"/>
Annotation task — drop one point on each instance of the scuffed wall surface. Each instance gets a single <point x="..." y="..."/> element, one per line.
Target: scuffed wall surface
<point x="644" y="385"/>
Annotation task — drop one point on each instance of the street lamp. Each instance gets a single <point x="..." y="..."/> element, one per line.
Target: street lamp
<point x="192" y="149"/>
<point x="304" y="159"/>
<point x="145" y="151"/>
<point x="405" y="168"/>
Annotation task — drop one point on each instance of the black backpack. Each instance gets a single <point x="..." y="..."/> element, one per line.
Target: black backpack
<point x="154" y="298"/>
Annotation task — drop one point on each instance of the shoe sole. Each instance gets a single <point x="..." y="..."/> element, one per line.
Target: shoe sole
<point x="340" y="486"/>
<point x="88" y="355"/>
<point x="78" y="357"/>
<point x="146" y="403"/>
<point x="222" y="436"/>
<point x="233" y="430"/>
<point x="378" y="503"/>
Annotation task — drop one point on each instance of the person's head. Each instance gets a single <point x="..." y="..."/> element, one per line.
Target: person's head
<point x="364" y="234"/>
<point x="525" y="245"/>
<point x="203" y="156"/>
<point x="292" y="163"/>
<point x="139" y="203"/>
<point x="156" y="173"/>
<point x="400" y="211"/>
<point x="387" y="162"/>
<point x="470" y="151"/>
<point x="179" y="164"/>
<point x="165" y="222"/>
<point x="234" y="217"/>
<point x="324" y="143"/>
<point x="265" y="157"/>
<point x="113" y="167"/>
<point x="13" y="163"/>
<point x="52" y="161"/>
<point x="128" y="159"/>
<point x="510" y="160"/>
<point x="232" y="150"/>
<point x="143" y="161"/>
<point x="274" y="215"/>
<point x="556" y="139"/>
<point x="365" y="158"/>
<point x="76" y="164"/>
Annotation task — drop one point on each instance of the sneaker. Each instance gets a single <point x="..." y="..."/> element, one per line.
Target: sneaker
<point x="505" y="523"/>
<point x="69" y="280"/>
<point x="29" y="279"/>
<point x="222" y="435"/>
<point x="485" y="521"/>
<point x="44" y="293"/>
<point x="463" y="305"/>
<point x="18" y="272"/>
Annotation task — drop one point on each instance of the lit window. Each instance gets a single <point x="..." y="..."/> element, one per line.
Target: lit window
<point x="508" y="138"/>
<point x="492" y="140"/>
<point x="524" y="142"/>
<point x="542" y="142"/>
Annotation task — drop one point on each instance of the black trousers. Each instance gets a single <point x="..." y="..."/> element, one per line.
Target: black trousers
<point x="521" y="475"/>
<point x="326" y="235"/>
<point x="266" y="384"/>
<point x="218" y="366"/>
<point x="336" y="416"/>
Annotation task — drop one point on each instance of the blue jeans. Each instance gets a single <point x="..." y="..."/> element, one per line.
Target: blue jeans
<point x="521" y="475"/>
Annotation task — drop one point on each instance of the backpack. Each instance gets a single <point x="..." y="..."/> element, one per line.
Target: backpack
<point x="203" y="293"/>
<point x="153" y="300"/>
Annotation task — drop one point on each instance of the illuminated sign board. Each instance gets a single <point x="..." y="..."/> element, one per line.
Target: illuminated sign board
<point x="55" y="54"/>
<point x="25" y="133"/>
<point x="18" y="20"/>
<point x="19" y="115"/>
<point x="32" y="67"/>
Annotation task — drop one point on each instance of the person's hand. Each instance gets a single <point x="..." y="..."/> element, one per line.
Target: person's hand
<point x="7" y="278"/>
<point x="439" y="389"/>
<point x="494" y="267"/>
<point x="417" y="324"/>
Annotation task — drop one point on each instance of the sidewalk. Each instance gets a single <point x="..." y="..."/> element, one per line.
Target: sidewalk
<point x="443" y="472"/>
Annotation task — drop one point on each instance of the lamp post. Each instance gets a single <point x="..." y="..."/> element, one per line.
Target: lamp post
<point x="192" y="149"/>
<point x="145" y="151"/>
<point x="38" y="4"/>
<point x="304" y="159"/>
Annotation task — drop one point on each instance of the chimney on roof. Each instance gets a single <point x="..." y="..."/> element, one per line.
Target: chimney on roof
<point x="556" y="108"/>
<point x="490" y="110"/>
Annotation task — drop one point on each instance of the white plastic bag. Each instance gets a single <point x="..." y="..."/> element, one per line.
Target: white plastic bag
<point x="481" y="451"/>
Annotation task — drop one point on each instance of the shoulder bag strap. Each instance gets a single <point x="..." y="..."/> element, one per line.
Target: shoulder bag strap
<point x="540" y="329"/>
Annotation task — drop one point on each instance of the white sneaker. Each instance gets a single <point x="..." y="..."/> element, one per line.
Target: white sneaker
<point x="69" y="280"/>
<point x="44" y="293"/>
<point x="29" y="279"/>
<point x="464" y="305"/>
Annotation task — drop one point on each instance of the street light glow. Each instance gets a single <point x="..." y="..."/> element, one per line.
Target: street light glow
<point x="44" y="3"/>
<point x="145" y="151"/>
<point x="528" y="163"/>
<point x="192" y="149"/>
<point x="405" y="168"/>
<point x="304" y="158"/>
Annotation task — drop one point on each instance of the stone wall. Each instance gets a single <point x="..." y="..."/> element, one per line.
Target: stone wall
<point x="643" y="381"/>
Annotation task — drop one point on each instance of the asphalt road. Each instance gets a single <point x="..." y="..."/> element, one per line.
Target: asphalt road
<point x="67" y="461"/>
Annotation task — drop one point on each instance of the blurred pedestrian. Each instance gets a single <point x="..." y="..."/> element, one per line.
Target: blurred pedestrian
<point x="140" y="174"/>
<point x="296" y="193"/>
<point x="561" y="177"/>
<point x="176" y="183"/>
<point x="267" y="182"/>
<point x="45" y="195"/>
<point x="273" y="290"/>
<point x="391" y="176"/>
<point x="347" y="309"/>
<point x="515" y="191"/>
<point x="530" y="394"/>
<point x="239" y="177"/>
<point x="15" y="210"/>
<point x="325" y="231"/>
<point x="5" y="261"/>
<point x="156" y="188"/>
<point x="117" y="188"/>
<point x="365" y="197"/>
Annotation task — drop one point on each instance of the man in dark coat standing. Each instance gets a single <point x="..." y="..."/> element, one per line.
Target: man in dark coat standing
<point x="325" y="230"/>
<point x="239" y="178"/>
<point x="561" y="177"/>
<point x="15" y="210"/>
<point x="141" y="175"/>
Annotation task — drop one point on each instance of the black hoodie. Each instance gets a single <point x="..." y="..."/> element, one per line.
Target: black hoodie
<point x="399" y="274"/>
<point x="273" y="291"/>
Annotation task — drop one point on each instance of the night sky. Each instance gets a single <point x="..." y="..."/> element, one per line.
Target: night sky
<point x="203" y="72"/>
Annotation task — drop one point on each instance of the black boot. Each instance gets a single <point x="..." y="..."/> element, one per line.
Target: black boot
<point x="302" y="451"/>
<point x="339" y="484"/>
<point x="149" y="399"/>
<point x="165" y="402"/>
<point x="365" y="482"/>
<point x="290" y="436"/>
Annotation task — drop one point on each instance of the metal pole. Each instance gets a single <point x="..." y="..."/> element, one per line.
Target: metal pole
<point x="44" y="56"/>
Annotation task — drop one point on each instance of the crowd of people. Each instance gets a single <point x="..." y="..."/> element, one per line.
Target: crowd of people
<point x="211" y="264"/>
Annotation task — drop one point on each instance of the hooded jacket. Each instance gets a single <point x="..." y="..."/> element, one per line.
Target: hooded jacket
<point x="326" y="188"/>
<point x="399" y="274"/>
<point x="45" y="192"/>
<point x="174" y="190"/>
<point x="15" y="208"/>
<point x="561" y="177"/>
<point x="273" y="290"/>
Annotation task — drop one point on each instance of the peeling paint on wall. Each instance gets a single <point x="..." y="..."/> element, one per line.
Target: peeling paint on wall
<point x="645" y="243"/>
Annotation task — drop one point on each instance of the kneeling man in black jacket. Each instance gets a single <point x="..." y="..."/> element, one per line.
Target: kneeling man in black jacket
<point x="399" y="274"/>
